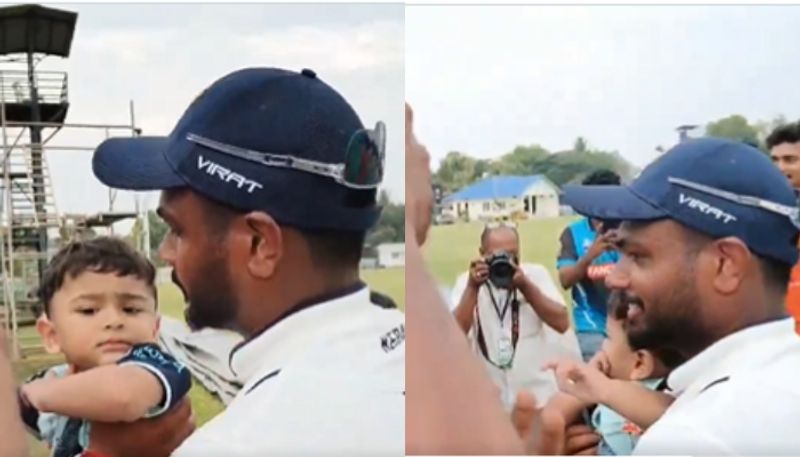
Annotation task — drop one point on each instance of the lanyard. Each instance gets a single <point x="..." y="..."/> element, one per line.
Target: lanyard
<point x="512" y="300"/>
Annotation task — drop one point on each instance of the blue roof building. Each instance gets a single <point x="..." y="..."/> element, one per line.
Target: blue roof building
<point x="500" y="197"/>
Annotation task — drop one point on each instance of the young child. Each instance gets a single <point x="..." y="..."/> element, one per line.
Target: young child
<point x="625" y="408"/>
<point x="99" y="301"/>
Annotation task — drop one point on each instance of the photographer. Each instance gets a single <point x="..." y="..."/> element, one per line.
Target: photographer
<point x="509" y="312"/>
<point x="585" y="259"/>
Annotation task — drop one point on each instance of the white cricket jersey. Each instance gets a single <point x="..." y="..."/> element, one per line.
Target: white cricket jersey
<point x="741" y="396"/>
<point x="326" y="380"/>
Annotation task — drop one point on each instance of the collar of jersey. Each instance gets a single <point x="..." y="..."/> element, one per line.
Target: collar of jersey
<point x="744" y="350"/>
<point x="272" y="348"/>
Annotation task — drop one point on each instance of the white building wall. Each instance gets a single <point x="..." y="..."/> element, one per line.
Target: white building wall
<point x="391" y="255"/>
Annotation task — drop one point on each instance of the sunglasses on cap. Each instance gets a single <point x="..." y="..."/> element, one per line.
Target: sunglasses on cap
<point x="790" y="212"/>
<point x="362" y="167"/>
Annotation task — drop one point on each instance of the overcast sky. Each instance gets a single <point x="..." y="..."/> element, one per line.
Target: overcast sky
<point x="483" y="79"/>
<point x="163" y="56"/>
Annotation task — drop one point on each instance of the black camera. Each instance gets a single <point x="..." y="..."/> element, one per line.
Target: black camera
<point x="501" y="269"/>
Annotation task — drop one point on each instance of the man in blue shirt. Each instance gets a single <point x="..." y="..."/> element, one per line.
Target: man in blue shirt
<point x="585" y="259"/>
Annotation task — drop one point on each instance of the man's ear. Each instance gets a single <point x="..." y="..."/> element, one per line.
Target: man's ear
<point x="731" y="263"/>
<point x="48" y="333"/>
<point x="266" y="244"/>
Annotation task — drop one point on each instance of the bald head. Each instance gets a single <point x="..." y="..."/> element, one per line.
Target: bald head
<point x="502" y="238"/>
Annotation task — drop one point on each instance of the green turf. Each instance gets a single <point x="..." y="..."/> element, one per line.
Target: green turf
<point x="450" y="248"/>
<point x="389" y="281"/>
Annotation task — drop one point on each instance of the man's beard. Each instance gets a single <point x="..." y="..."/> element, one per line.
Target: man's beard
<point x="673" y="322"/>
<point x="211" y="299"/>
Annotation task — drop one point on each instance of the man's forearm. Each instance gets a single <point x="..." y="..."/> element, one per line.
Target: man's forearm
<point x="110" y="393"/>
<point x="465" y="311"/>
<point x="14" y="442"/>
<point x="444" y="379"/>
<point x="569" y="407"/>
<point x="551" y="312"/>
<point x="637" y="403"/>
<point x="569" y="275"/>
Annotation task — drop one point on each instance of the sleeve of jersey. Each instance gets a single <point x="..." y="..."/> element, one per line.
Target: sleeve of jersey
<point x="174" y="377"/>
<point x="29" y="414"/>
<point x="567" y="256"/>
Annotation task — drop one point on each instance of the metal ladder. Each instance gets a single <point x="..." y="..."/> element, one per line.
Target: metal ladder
<point x="30" y="207"/>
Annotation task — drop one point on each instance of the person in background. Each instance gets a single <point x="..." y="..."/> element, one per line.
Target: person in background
<point x="784" y="149"/>
<point x="586" y="257"/>
<point x="442" y="373"/>
<point x="509" y="315"/>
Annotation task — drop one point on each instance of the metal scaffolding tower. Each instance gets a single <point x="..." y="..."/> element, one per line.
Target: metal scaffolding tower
<point x="33" y="109"/>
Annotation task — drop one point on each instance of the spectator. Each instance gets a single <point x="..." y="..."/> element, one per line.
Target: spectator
<point x="586" y="257"/>
<point x="784" y="149"/>
<point x="510" y="319"/>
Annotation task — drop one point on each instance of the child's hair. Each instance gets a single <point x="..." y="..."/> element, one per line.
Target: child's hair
<point x="103" y="254"/>
<point x="618" y="311"/>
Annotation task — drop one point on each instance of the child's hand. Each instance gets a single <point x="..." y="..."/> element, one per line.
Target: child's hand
<point x="585" y="382"/>
<point x="601" y="362"/>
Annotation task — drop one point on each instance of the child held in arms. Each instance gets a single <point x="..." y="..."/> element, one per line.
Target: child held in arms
<point x="100" y="313"/>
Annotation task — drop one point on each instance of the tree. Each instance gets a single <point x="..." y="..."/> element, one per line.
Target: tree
<point x="158" y="230"/>
<point x="580" y="145"/>
<point x="735" y="127"/>
<point x="521" y="161"/>
<point x="391" y="225"/>
<point x="457" y="170"/>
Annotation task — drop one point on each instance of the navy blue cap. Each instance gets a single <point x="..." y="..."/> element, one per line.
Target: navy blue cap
<point x="715" y="186"/>
<point x="257" y="109"/>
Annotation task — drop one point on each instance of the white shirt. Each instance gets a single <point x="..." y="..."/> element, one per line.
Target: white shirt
<point x="741" y="396"/>
<point x="537" y="344"/>
<point x="326" y="380"/>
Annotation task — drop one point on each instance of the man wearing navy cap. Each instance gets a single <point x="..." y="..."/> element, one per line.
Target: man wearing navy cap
<point x="269" y="186"/>
<point x="707" y="247"/>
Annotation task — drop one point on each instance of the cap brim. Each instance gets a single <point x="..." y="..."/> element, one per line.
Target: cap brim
<point x="610" y="202"/>
<point x="135" y="164"/>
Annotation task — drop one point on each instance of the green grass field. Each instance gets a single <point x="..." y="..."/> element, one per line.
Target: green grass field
<point x="388" y="281"/>
<point x="450" y="248"/>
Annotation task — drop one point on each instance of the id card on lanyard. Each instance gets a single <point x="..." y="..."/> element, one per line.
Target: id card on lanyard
<point x="506" y="347"/>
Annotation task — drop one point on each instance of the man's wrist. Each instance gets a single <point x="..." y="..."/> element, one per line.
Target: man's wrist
<point x="528" y="288"/>
<point x="607" y="394"/>
<point x="586" y="260"/>
<point x="472" y="285"/>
